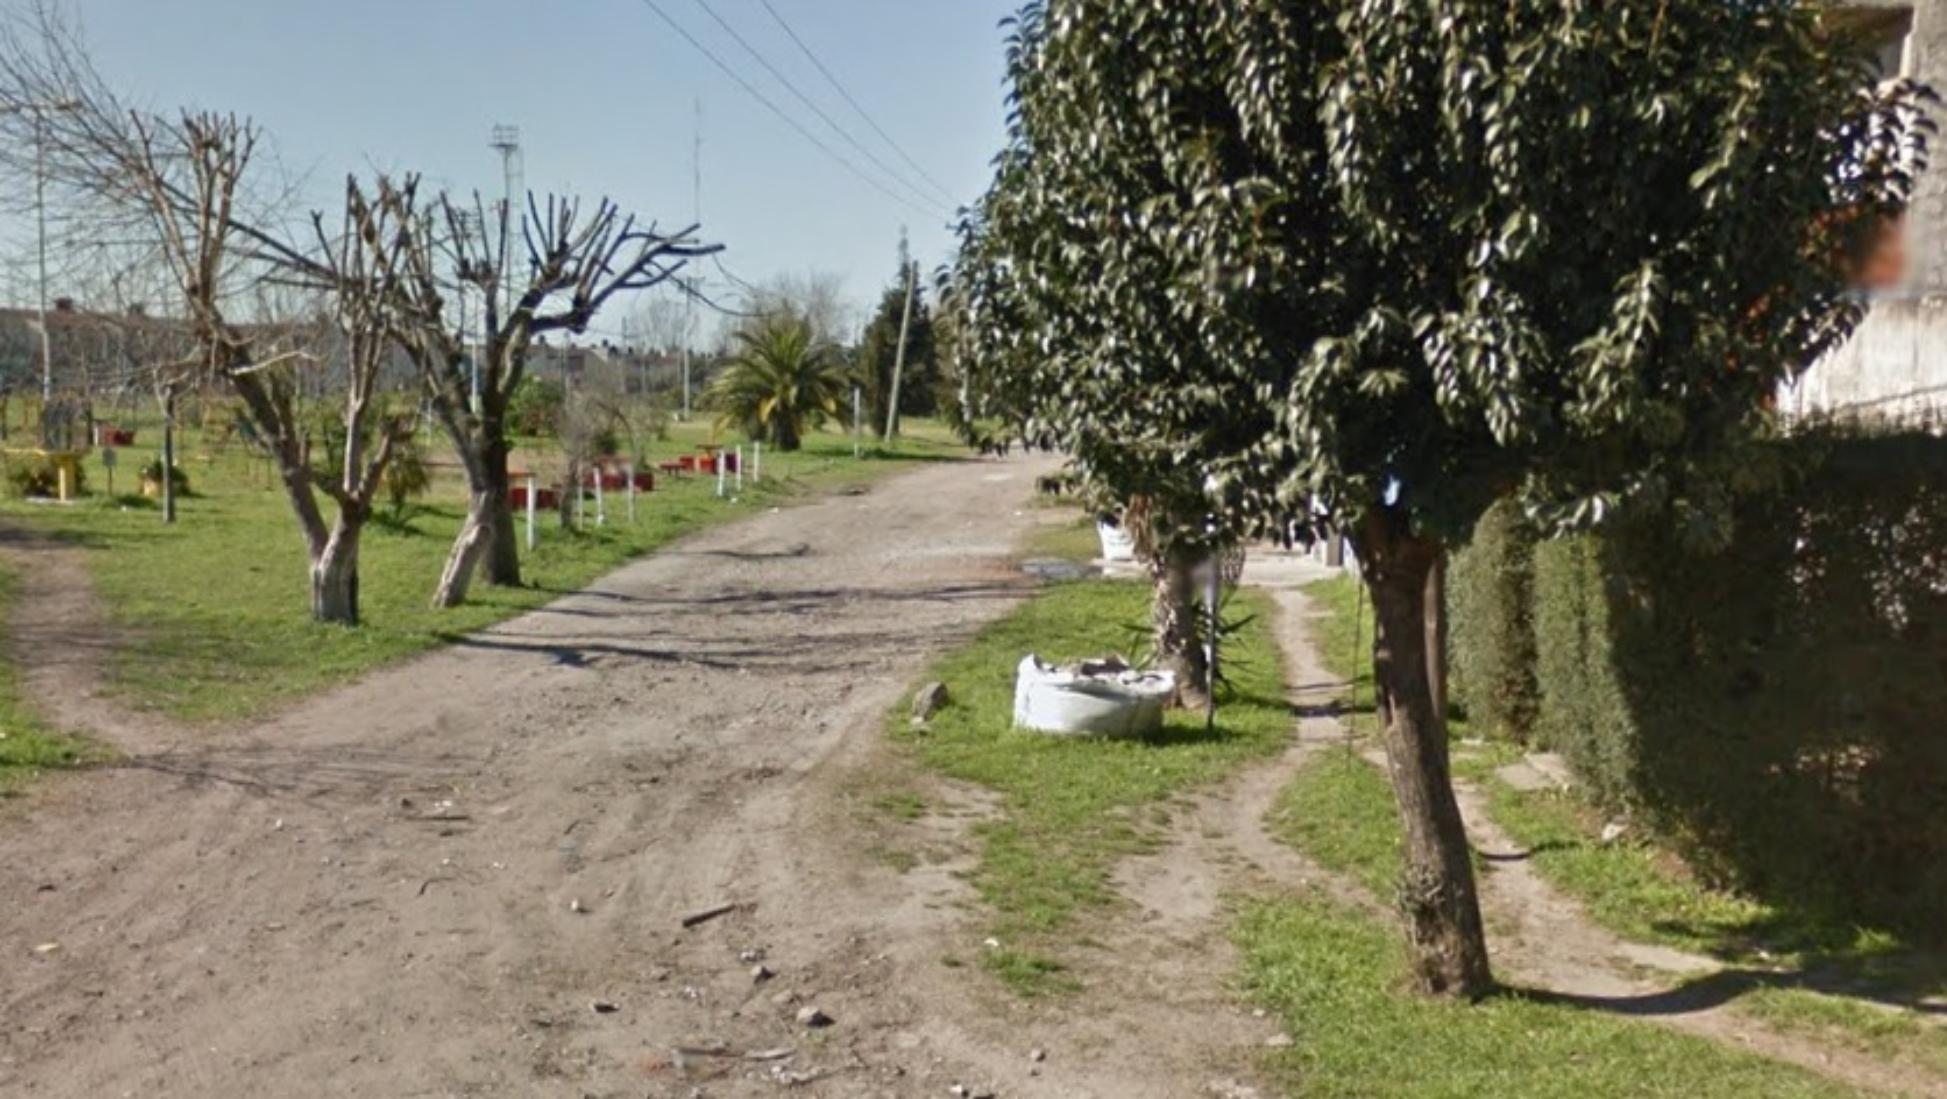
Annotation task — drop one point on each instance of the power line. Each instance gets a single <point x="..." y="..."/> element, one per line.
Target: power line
<point x="783" y="115"/>
<point x="839" y="86"/>
<point x="778" y="74"/>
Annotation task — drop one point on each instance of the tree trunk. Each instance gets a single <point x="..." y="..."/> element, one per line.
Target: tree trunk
<point x="1179" y="639"/>
<point x="461" y="561"/>
<point x="1436" y="634"/>
<point x="784" y="436"/>
<point x="1437" y="895"/>
<point x="334" y="575"/>
<point x="488" y="541"/>
<point x="502" y="561"/>
<point x="570" y="503"/>
<point x="169" y="456"/>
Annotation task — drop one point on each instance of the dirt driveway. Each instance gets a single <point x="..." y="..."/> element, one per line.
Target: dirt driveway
<point x="466" y="875"/>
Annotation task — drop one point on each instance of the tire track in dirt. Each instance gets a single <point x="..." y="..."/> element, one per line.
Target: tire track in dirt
<point x="425" y="884"/>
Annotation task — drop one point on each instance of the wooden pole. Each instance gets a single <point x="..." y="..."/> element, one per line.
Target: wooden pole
<point x="169" y="455"/>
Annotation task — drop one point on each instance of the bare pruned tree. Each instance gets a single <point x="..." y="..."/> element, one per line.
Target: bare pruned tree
<point x="574" y="264"/>
<point x="362" y="270"/>
<point x="190" y="174"/>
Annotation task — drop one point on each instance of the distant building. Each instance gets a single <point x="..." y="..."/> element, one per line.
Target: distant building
<point x="92" y="354"/>
<point x="606" y="366"/>
<point x="1895" y="367"/>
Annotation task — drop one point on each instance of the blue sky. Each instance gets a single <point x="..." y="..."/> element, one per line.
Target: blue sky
<point x="604" y="94"/>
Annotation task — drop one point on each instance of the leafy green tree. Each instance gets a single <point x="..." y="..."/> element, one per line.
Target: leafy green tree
<point x="919" y="385"/>
<point x="1371" y="265"/>
<point x="534" y="408"/>
<point x="782" y="383"/>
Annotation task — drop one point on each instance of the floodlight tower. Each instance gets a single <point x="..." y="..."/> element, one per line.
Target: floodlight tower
<point x="506" y="140"/>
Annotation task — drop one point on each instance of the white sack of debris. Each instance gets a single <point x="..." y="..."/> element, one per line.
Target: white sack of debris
<point x="1118" y="545"/>
<point x="1093" y="698"/>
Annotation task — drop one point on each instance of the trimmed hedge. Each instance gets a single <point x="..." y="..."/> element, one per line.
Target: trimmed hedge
<point x="1490" y="603"/>
<point x="1780" y="708"/>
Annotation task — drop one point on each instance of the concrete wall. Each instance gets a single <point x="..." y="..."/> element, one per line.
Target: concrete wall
<point x="1896" y="366"/>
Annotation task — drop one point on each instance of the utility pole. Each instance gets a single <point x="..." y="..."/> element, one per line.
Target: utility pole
<point x="689" y="286"/>
<point x="40" y="112"/>
<point x="905" y="330"/>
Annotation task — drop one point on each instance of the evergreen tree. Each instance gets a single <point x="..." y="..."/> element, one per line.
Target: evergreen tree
<point x="919" y="387"/>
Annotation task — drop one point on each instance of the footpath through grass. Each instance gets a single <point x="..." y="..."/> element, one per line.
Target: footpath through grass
<point x="1337" y="980"/>
<point x="1340" y="811"/>
<point x="26" y="746"/>
<point x="216" y="606"/>
<point x="1072" y="808"/>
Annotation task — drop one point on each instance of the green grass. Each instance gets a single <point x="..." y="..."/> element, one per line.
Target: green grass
<point x="1340" y="811"/>
<point x="1631" y="888"/>
<point x="217" y="604"/>
<point x="1075" y="539"/>
<point x="1072" y="808"/>
<point x="1335" y="978"/>
<point x="1344" y="635"/>
<point x="1897" y="1034"/>
<point x="27" y="747"/>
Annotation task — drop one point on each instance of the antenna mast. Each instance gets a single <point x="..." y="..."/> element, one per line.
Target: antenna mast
<point x="506" y="140"/>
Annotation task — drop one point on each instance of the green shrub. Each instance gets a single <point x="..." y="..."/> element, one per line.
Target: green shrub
<point x="1582" y="709"/>
<point x="152" y="473"/>
<point x="40" y="477"/>
<point x="1490" y="599"/>
<point x="1776" y="708"/>
<point x="407" y="476"/>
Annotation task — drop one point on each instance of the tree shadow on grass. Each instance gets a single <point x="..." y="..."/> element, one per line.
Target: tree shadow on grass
<point x="1839" y="978"/>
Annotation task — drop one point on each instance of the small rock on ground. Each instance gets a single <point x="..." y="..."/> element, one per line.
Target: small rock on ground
<point x="930" y="700"/>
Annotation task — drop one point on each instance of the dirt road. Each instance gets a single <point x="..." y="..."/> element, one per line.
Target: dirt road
<point x="465" y="875"/>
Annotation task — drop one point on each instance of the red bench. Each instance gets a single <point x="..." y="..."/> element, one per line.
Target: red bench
<point x="544" y="498"/>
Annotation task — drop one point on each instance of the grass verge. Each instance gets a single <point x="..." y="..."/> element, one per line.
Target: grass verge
<point x="1892" y="1033"/>
<point x="1340" y="811"/>
<point x="1074" y="538"/>
<point x="1335" y="979"/>
<point x="1071" y="808"/>
<point x="26" y="746"/>
<point x="217" y="604"/>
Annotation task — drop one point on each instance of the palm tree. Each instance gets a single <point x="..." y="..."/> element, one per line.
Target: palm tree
<point x="783" y="382"/>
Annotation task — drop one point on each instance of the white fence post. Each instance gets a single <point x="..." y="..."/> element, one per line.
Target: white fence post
<point x="720" y="474"/>
<point x="757" y="461"/>
<point x="740" y="468"/>
<point x="630" y="474"/>
<point x="601" y="504"/>
<point x="531" y="489"/>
